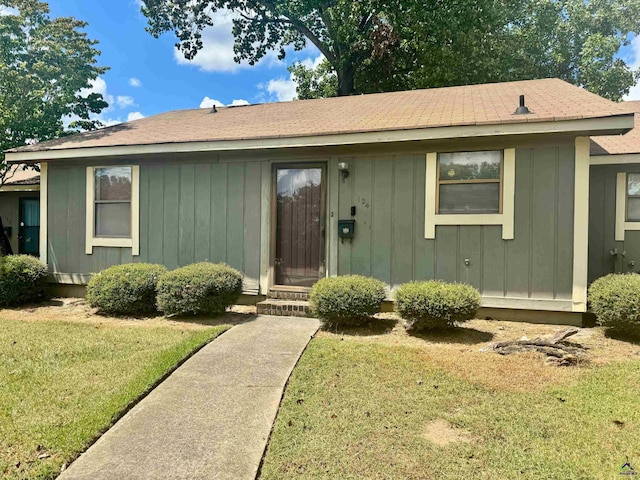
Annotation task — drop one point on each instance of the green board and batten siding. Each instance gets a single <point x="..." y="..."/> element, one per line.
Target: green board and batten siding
<point x="197" y="210"/>
<point x="602" y="225"/>
<point x="389" y="194"/>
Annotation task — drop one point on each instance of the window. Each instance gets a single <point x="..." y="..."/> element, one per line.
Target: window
<point x="470" y="188"/>
<point x="113" y="207"/>
<point x="469" y="182"/>
<point x="627" y="204"/>
<point x="633" y="197"/>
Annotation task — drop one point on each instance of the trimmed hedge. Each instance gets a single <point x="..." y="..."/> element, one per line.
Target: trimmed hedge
<point x="435" y="304"/>
<point x="128" y="289"/>
<point x="200" y="288"/>
<point x="615" y="300"/>
<point x="23" y="279"/>
<point x="347" y="300"/>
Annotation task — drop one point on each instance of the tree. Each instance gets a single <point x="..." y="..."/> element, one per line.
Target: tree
<point x="44" y="66"/>
<point x="382" y="45"/>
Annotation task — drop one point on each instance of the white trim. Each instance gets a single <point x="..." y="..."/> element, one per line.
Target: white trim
<point x="622" y="225"/>
<point x="545" y="304"/>
<point x="20" y="188"/>
<point x="92" y="241"/>
<point x="265" y="226"/>
<point x="619" y="159"/>
<point x="504" y="219"/>
<point x="594" y="126"/>
<point x="44" y="192"/>
<point x="581" y="225"/>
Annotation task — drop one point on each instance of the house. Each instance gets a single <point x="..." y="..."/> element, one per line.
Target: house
<point x="484" y="184"/>
<point x="20" y="210"/>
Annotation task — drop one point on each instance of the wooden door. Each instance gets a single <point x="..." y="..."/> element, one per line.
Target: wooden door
<point x="300" y="224"/>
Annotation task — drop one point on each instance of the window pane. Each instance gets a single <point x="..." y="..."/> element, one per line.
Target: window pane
<point x="633" y="184"/>
<point x="633" y="209"/>
<point x="470" y="198"/>
<point x="470" y="165"/>
<point x="113" y="183"/>
<point x="113" y="220"/>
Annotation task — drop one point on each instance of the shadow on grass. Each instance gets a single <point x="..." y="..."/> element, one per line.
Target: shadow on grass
<point x="377" y="326"/>
<point x="622" y="336"/>
<point x="228" y="318"/>
<point x="462" y="335"/>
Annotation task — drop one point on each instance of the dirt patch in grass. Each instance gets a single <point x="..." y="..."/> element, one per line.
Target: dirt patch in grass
<point x="77" y="310"/>
<point x="457" y="351"/>
<point x="442" y="433"/>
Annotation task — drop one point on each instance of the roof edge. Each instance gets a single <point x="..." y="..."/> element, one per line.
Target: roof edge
<point x="597" y="126"/>
<point x="614" y="158"/>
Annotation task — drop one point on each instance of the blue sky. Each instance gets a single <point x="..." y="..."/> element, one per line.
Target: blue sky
<point x="148" y="76"/>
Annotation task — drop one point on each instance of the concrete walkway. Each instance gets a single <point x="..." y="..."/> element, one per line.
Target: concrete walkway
<point x="212" y="417"/>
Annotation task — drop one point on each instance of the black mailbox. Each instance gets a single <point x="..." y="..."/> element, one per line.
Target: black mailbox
<point x="7" y="231"/>
<point x="346" y="228"/>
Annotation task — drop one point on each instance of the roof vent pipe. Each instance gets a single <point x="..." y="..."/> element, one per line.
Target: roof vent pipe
<point x="522" y="109"/>
<point x="214" y="109"/>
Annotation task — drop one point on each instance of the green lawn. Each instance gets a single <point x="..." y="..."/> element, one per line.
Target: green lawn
<point x="356" y="410"/>
<point x="62" y="384"/>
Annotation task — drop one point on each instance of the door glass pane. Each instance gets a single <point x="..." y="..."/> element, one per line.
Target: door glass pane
<point x="470" y="198"/>
<point x="113" y="220"/>
<point x="113" y="183"/>
<point x="299" y="232"/>
<point x="470" y="165"/>
<point x="633" y="209"/>
<point x="633" y="184"/>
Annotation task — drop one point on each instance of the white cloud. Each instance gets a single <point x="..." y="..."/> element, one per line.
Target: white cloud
<point x="217" y="51"/>
<point x="134" y="116"/>
<point x="98" y="85"/>
<point x="124" y="101"/>
<point x="6" y="11"/>
<point x="284" y="89"/>
<point x="134" y="82"/>
<point x="210" y="102"/>
<point x="634" y="92"/>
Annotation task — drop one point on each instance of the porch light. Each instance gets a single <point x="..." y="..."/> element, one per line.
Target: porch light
<point x="343" y="168"/>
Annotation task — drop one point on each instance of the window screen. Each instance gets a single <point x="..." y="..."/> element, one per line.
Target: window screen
<point x="112" y="202"/>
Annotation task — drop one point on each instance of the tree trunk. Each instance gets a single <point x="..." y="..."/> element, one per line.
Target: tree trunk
<point x="346" y="85"/>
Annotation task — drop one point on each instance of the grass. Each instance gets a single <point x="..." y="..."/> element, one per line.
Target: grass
<point x="361" y="409"/>
<point x="62" y="384"/>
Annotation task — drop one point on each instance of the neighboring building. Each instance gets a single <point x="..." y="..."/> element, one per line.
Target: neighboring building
<point x="614" y="218"/>
<point x="443" y="183"/>
<point x="20" y="210"/>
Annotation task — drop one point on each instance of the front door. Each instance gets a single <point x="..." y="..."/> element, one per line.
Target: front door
<point x="300" y="224"/>
<point x="29" y="227"/>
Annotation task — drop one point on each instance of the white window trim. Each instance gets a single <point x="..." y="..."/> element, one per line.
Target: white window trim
<point x="91" y="239"/>
<point x="621" y="208"/>
<point x="505" y="219"/>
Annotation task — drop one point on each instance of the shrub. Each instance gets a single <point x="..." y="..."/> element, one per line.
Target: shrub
<point x="200" y="288"/>
<point x="128" y="289"/>
<point x="347" y="300"/>
<point x="23" y="279"/>
<point x="435" y="304"/>
<point x="615" y="300"/>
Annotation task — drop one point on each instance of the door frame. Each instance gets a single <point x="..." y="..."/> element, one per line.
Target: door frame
<point x="273" y="179"/>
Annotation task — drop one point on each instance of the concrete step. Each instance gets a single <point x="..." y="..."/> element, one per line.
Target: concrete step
<point x="288" y="295"/>
<point x="285" y="308"/>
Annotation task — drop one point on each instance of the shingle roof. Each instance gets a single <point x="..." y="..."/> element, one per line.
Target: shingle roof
<point x="620" y="144"/>
<point x="20" y="176"/>
<point x="488" y="104"/>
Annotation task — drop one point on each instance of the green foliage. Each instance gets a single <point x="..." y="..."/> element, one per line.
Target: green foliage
<point x="200" y="288"/>
<point x="615" y="300"/>
<point x="435" y="304"/>
<point x="376" y="45"/>
<point x="347" y="300"/>
<point x="23" y="279"/>
<point x="128" y="289"/>
<point x="44" y="66"/>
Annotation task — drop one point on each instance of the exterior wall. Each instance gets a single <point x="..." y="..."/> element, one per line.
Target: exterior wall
<point x="189" y="212"/>
<point x="217" y="208"/>
<point x="389" y="195"/>
<point x="10" y="213"/>
<point x="602" y="224"/>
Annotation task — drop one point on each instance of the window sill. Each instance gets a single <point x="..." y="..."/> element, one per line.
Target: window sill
<point x="108" y="242"/>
